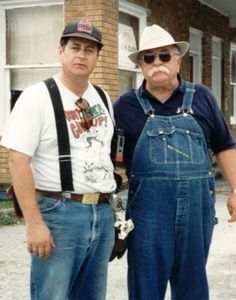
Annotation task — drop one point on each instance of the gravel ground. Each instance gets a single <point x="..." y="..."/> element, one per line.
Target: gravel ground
<point x="14" y="262"/>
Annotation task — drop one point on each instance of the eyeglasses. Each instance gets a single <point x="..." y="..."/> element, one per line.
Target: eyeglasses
<point x="87" y="117"/>
<point x="149" y="57"/>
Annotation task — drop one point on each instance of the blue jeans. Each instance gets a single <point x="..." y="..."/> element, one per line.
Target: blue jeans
<point x="77" y="267"/>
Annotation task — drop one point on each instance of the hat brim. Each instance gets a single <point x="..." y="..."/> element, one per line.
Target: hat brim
<point x="183" y="48"/>
<point x="84" y="36"/>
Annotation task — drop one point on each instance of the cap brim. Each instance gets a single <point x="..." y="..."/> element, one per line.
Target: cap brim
<point x="82" y="35"/>
<point x="183" y="48"/>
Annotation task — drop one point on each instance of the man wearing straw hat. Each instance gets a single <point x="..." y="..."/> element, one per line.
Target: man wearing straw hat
<point x="170" y="124"/>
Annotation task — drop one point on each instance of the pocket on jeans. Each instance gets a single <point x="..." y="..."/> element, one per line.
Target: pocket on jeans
<point x="48" y="204"/>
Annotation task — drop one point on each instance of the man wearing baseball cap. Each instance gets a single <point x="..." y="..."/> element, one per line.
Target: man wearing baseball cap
<point x="170" y="125"/>
<point x="64" y="195"/>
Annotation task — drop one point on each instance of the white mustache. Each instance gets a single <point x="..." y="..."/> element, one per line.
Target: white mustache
<point x="158" y="69"/>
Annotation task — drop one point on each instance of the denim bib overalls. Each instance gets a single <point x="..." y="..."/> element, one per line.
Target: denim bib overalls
<point x="171" y="202"/>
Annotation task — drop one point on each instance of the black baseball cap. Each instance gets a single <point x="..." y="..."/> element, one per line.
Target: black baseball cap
<point x="85" y="30"/>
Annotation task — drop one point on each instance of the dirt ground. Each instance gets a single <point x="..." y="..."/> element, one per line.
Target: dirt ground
<point x="14" y="261"/>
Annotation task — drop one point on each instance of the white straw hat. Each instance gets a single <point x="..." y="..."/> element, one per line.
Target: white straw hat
<point x="155" y="37"/>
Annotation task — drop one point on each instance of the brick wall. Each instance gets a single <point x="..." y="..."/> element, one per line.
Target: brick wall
<point x="4" y="171"/>
<point x="104" y="14"/>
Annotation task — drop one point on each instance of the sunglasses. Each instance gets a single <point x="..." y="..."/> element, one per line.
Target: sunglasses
<point x="86" y="120"/>
<point x="150" y="57"/>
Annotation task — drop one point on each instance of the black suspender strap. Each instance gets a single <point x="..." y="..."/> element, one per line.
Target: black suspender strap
<point x="116" y="140"/>
<point x="62" y="133"/>
<point x="102" y="95"/>
<point x="62" y="136"/>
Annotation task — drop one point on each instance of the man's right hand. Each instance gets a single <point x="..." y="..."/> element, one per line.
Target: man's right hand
<point x="39" y="239"/>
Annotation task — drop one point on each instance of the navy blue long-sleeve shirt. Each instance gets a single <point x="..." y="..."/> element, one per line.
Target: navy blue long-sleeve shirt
<point x="130" y="116"/>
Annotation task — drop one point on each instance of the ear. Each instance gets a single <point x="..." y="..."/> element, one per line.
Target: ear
<point x="179" y="61"/>
<point x="60" y="50"/>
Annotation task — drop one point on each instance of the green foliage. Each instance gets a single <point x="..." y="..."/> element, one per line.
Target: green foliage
<point x="6" y="204"/>
<point x="7" y="217"/>
<point x="7" y="214"/>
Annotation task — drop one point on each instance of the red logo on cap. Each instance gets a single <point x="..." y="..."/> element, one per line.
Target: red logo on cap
<point x="85" y="26"/>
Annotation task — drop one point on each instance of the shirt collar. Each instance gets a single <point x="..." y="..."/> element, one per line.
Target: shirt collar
<point x="142" y="89"/>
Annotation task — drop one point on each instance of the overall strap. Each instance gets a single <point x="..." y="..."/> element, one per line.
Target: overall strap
<point x="146" y="106"/>
<point x="62" y="136"/>
<point x="188" y="96"/>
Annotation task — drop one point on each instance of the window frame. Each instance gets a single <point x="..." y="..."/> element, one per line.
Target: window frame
<point x="141" y="14"/>
<point x="196" y="53"/>
<point x="5" y="69"/>
<point x="233" y="86"/>
<point x="217" y="76"/>
<point x="232" y="49"/>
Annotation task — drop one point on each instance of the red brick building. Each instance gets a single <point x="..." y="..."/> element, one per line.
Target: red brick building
<point x="30" y="31"/>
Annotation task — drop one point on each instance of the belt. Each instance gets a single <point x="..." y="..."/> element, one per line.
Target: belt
<point x="88" y="198"/>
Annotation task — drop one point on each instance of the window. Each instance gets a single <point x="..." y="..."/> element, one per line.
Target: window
<point x="32" y="40"/>
<point x="195" y="55"/>
<point x="132" y="20"/>
<point x="216" y="68"/>
<point x="127" y="44"/>
<point x="29" y="40"/>
<point x="233" y="65"/>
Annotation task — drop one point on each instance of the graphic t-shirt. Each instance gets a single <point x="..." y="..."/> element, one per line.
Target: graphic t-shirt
<point x="31" y="130"/>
